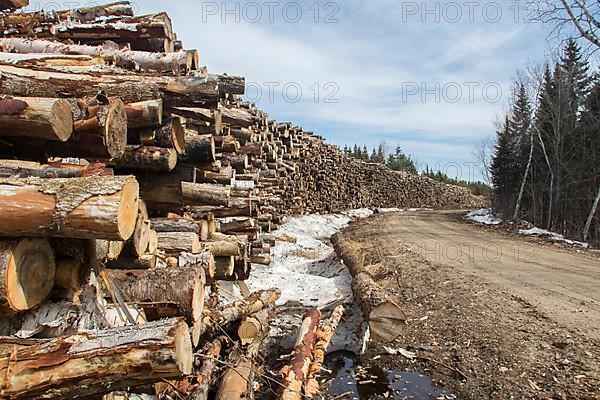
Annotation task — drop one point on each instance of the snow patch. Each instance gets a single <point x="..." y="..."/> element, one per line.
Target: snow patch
<point x="389" y="210"/>
<point x="484" y="216"/>
<point x="309" y="274"/>
<point x="557" y="237"/>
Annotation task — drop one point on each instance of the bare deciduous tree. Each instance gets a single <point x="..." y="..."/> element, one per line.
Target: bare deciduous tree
<point x="581" y="15"/>
<point x="483" y="155"/>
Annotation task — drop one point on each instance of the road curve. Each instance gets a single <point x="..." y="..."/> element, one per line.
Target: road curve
<point x="562" y="284"/>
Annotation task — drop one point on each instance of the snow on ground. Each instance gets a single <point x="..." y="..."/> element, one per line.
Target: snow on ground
<point x="557" y="237"/>
<point x="484" y="216"/>
<point x="305" y="267"/>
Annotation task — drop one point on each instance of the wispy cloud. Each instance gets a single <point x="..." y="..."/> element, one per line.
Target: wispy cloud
<point x="374" y="54"/>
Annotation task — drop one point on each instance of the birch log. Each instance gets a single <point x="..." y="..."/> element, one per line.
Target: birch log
<point x="95" y="207"/>
<point x="93" y="363"/>
<point x="180" y="61"/>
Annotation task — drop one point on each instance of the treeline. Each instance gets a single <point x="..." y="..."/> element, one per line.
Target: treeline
<point x="546" y="163"/>
<point x="398" y="161"/>
<point x="477" y="188"/>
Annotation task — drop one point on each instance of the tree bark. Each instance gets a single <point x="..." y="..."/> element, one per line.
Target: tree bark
<point x="588" y="223"/>
<point x="95" y="207"/>
<point x="36" y="118"/>
<point x="144" y="114"/>
<point x="174" y="225"/>
<point x="131" y="88"/>
<point x="325" y="332"/>
<point x="235" y="311"/>
<point x="147" y="158"/>
<point x="143" y="262"/>
<point x="198" y="149"/>
<point x="386" y="318"/>
<point x="179" y="242"/>
<point x="261" y="260"/>
<point x="12" y="4"/>
<point x="181" y="61"/>
<point x="295" y="374"/>
<point x="195" y="194"/>
<point x="27" y="270"/>
<point x="524" y="181"/>
<point x="212" y="352"/>
<point x="223" y="177"/>
<point x="237" y="225"/>
<point x="92" y="363"/>
<point x="100" y="131"/>
<point x="223" y="248"/>
<point x="182" y="286"/>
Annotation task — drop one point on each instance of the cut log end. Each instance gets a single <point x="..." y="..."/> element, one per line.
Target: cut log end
<point x="183" y="349"/>
<point x="386" y="321"/>
<point x="178" y="136"/>
<point x="62" y="121"/>
<point x="27" y="269"/>
<point x="128" y="209"/>
<point x="115" y="129"/>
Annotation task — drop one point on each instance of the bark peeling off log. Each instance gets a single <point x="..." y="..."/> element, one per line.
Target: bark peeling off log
<point x="87" y="207"/>
<point x="295" y="374"/>
<point x="90" y="364"/>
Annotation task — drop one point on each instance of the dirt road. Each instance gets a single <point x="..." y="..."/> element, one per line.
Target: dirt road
<point x="489" y="315"/>
<point x="561" y="283"/>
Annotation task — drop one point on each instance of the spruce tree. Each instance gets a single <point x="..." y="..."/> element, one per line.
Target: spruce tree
<point x="520" y="121"/>
<point x="505" y="169"/>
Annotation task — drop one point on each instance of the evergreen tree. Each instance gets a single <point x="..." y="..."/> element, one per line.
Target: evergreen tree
<point x="505" y="169"/>
<point x="520" y="121"/>
<point x="365" y="153"/>
<point x="576" y="73"/>
<point x="398" y="161"/>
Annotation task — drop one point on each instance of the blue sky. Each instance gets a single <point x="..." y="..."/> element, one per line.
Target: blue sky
<point x="432" y="77"/>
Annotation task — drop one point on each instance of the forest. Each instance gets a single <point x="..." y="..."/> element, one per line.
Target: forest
<point x="545" y="167"/>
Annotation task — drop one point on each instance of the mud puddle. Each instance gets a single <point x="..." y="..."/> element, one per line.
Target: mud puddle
<point x="351" y="381"/>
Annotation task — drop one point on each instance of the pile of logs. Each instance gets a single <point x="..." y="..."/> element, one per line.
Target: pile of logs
<point x="133" y="182"/>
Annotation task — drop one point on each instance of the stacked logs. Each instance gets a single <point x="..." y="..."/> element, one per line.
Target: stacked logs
<point x="133" y="182"/>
